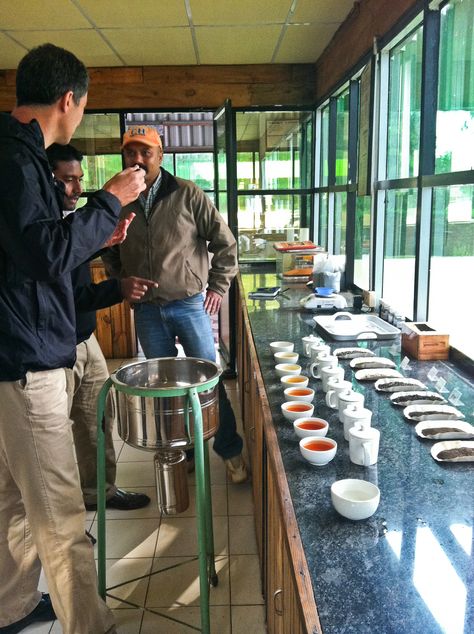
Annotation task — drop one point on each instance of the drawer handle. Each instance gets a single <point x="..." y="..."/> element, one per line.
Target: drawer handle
<point x="252" y="433"/>
<point x="246" y="386"/>
<point x="275" y="595"/>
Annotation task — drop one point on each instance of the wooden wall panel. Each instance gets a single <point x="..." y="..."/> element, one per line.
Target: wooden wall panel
<point x="354" y="39"/>
<point x="189" y="86"/>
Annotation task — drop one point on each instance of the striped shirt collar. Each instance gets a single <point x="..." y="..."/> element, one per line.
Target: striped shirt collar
<point x="148" y="200"/>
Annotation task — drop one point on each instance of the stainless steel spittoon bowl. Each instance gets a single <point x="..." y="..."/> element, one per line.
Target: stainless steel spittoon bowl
<point x="158" y="422"/>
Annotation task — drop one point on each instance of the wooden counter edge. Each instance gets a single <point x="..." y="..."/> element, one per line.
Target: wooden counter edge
<point x="299" y="565"/>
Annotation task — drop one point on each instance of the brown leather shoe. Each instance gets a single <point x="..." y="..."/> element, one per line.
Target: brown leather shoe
<point x="236" y="469"/>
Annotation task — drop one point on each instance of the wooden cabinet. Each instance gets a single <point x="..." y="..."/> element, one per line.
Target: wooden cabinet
<point x="115" y="329"/>
<point x="289" y="599"/>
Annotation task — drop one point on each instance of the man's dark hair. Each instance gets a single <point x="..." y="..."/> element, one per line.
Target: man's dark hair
<point x="57" y="153"/>
<point x="46" y="73"/>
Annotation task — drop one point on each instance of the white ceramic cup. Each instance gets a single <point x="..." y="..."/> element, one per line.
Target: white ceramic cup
<point x="324" y="359"/>
<point x="328" y="372"/>
<point x="317" y="348"/>
<point x="286" y="357"/>
<point x="355" y="413"/>
<point x="364" y="443"/>
<point x="308" y="342"/>
<point x="346" y="398"/>
<point x="335" y="385"/>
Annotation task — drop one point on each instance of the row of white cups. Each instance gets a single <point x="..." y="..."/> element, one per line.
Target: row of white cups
<point x="363" y="439"/>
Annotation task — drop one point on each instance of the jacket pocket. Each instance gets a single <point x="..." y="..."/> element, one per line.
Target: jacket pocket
<point x="195" y="281"/>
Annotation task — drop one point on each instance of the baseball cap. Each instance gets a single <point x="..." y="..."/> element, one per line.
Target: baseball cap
<point x="142" y="134"/>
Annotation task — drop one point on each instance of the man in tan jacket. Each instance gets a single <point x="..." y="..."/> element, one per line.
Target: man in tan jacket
<point x="175" y="228"/>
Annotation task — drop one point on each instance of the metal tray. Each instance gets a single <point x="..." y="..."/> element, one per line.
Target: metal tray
<point x="344" y="326"/>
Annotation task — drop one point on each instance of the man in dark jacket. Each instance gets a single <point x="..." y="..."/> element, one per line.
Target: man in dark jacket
<point x="86" y="379"/>
<point x="41" y="508"/>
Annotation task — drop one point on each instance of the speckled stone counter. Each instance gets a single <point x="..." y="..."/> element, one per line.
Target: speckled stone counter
<point x="409" y="568"/>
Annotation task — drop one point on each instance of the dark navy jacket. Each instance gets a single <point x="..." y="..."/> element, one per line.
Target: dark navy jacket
<point x="38" y="250"/>
<point x="89" y="297"/>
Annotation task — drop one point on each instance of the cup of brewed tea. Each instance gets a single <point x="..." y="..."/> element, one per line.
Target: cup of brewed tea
<point x="283" y="369"/>
<point x="286" y="357"/>
<point x="291" y="380"/>
<point x="305" y="394"/>
<point x="292" y="410"/>
<point x="318" y="451"/>
<point x="310" y="426"/>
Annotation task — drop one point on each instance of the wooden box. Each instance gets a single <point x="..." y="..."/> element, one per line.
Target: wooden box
<point x="423" y="342"/>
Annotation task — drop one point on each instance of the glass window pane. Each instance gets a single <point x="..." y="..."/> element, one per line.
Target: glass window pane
<point x="340" y="222"/>
<point x="197" y="167"/>
<point x="342" y="138"/>
<point x="455" y="116"/>
<point x="404" y="107"/>
<point x="323" y="220"/>
<point x="272" y="149"/>
<point x="98" y="138"/>
<point x="248" y="170"/>
<point x="399" y="250"/>
<point x="168" y="163"/>
<point x="324" y="148"/>
<point x="263" y="220"/>
<point x="362" y="242"/>
<point x="452" y="264"/>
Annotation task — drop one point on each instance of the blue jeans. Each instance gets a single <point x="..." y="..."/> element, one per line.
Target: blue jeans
<point x="157" y="328"/>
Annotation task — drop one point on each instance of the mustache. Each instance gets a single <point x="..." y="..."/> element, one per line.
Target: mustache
<point x="143" y="167"/>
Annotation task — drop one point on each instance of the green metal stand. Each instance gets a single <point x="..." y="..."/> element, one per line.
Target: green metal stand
<point x="205" y="537"/>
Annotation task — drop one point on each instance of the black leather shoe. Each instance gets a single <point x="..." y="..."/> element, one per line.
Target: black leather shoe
<point x="43" y="612"/>
<point x="124" y="501"/>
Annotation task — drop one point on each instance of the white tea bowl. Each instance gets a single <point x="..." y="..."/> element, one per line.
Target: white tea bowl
<point x="310" y="426"/>
<point x="318" y="451"/>
<point x="286" y="357"/>
<point x="283" y="369"/>
<point x="282" y="346"/>
<point x="294" y="380"/>
<point x="292" y="410"/>
<point x="355" y="499"/>
<point x="303" y="394"/>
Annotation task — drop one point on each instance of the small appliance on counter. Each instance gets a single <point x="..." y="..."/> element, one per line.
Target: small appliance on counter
<point x="327" y="301"/>
<point x="295" y="260"/>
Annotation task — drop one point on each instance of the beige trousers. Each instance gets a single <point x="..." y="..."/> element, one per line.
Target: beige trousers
<point x="41" y="509"/>
<point x="84" y="383"/>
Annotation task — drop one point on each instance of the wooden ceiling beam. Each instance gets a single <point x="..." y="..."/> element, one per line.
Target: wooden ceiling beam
<point x="174" y="87"/>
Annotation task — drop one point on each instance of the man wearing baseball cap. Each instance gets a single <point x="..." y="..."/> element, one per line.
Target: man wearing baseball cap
<point x="169" y="241"/>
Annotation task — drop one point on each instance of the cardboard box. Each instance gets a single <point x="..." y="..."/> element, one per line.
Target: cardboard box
<point x="423" y="342"/>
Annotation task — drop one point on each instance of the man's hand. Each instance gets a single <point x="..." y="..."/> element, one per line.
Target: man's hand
<point x="212" y="303"/>
<point x="134" y="288"/>
<point x="127" y="184"/>
<point x="120" y="232"/>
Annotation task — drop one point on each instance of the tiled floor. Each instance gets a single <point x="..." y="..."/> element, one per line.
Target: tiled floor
<point x="139" y="542"/>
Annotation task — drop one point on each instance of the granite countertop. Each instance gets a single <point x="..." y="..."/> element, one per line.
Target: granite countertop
<point x="409" y="568"/>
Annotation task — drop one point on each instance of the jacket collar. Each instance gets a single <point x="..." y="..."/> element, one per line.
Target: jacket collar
<point x="169" y="184"/>
<point x="28" y="133"/>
